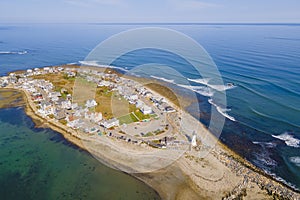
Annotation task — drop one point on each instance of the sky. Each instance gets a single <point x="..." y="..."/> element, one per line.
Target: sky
<point x="157" y="11"/>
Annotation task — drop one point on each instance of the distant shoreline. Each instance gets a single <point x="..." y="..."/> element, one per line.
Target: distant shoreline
<point x="75" y="139"/>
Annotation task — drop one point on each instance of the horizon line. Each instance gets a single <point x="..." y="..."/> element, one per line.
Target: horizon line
<point x="161" y="23"/>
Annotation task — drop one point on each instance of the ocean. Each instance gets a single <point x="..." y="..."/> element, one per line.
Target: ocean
<point x="261" y="60"/>
<point x="38" y="163"/>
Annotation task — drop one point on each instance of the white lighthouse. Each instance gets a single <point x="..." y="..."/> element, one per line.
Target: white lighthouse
<point x="194" y="140"/>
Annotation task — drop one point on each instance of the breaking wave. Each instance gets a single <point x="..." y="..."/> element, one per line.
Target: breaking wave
<point x="265" y="144"/>
<point x="74" y="63"/>
<point x="13" y="52"/>
<point x="96" y="64"/>
<point x="221" y="87"/>
<point x="222" y="111"/>
<point x="204" y="91"/>
<point x="264" y="160"/>
<point x="289" y="139"/>
<point x="163" y="79"/>
<point x="205" y="81"/>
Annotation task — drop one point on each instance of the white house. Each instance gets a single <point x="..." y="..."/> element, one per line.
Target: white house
<point x="111" y="123"/>
<point x="66" y="105"/>
<point x="146" y="109"/>
<point x="75" y="124"/>
<point x="4" y="83"/>
<point x="55" y="98"/>
<point x="46" y="109"/>
<point x="133" y="97"/>
<point x="104" y="83"/>
<point x="29" y="71"/>
<point x="54" y="94"/>
<point x="91" y="103"/>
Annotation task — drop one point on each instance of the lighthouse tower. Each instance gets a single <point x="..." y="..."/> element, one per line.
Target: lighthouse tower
<point x="194" y="140"/>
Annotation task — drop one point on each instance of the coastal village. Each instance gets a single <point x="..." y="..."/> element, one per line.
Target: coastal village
<point x="145" y="114"/>
<point x="140" y="117"/>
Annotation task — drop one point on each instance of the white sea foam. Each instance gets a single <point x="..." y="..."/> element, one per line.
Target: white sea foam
<point x="264" y="160"/>
<point x="289" y="139"/>
<point x="295" y="160"/>
<point x="205" y="81"/>
<point x="163" y="79"/>
<point x="221" y="87"/>
<point x="205" y="91"/>
<point x="266" y="144"/>
<point x="95" y="64"/>
<point x="222" y="111"/>
<point x="74" y="63"/>
<point x="278" y="178"/>
<point x="14" y="52"/>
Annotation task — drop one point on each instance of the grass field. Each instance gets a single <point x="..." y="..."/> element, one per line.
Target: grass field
<point x="110" y="104"/>
<point x="127" y="119"/>
<point x="140" y="115"/>
<point x="83" y="90"/>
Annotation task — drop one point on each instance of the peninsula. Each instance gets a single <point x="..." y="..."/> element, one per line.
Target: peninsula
<point x="136" y="128"/>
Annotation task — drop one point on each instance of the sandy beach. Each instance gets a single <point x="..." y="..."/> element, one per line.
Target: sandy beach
<point x="220" y="174"/>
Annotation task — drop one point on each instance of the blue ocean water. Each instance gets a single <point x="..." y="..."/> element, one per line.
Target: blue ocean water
<point x="263" y="61"/>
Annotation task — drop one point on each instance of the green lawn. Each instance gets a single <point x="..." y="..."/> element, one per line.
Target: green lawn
<point x="127" y="119"/>
<point x="140" y="115"/>
<point x="148" y="134"/>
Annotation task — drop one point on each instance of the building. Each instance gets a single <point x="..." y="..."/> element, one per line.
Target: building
<point x="91" y="103"/>
<point x="47" y="69"/>
<point x="146" y="109"/>
<point x="110" y="123"/>
<point x="37" y="97"/>
<point x="133" y="97"/>
<point x="46" y="109"/>
<point x="105" y="83"/>
<point x="29" y="72"/>
<point x="54" y="94"/>
<point x="66" y="105"/>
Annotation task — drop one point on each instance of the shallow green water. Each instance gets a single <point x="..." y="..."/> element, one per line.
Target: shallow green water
<point x="41" y="164"/>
